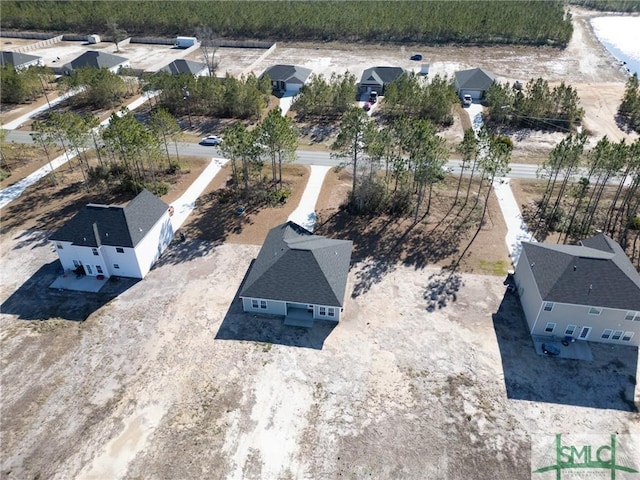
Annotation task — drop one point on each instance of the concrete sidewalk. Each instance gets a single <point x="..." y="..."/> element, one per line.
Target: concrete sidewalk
<point x="305" y="214"/>
<point x="36" y="111"/>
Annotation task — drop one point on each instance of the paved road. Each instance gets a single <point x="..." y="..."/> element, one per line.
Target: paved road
<point x="305" y="157"/>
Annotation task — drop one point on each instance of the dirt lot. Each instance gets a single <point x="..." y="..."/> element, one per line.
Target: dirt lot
<point x="166" y="378"/>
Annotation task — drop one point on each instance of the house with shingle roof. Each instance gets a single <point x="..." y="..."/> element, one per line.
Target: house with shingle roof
<point x="19" y="60"/>
<point x="107" y="240"/>
<point x="287" y="78"/>
<point x="474" y="82"/>
<point x="197" y="69"/>
<point x="97" y="59"/>
<point x="375" y="79"/>
<point x="298" y="275"/>
<point x="589" y="291"/>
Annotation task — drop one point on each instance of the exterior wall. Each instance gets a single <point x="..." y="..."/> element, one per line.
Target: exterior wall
<point x="84" y="255"/>
<point x="527" y="290"/>
<point x="475" y="94"/>
<point x="153" y="244"/>
<point x="273" y="307"/>
<point x="564" y="314"/>
<point x="126" y="262"/>
<point x="317" y="315"/>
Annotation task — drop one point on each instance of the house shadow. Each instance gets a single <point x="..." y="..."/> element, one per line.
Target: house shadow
<point x="34" y="300"/>
<point x="270" y="329"/>
<point x="607" y="382"/>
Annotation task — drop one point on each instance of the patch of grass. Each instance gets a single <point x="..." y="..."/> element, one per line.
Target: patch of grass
<point x="266" y="347"/>
<point x="499" y="267"/>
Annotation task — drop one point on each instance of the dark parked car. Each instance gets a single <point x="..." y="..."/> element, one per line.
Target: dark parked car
<point x="416" y="56"/>
<point x="549" y="349"/>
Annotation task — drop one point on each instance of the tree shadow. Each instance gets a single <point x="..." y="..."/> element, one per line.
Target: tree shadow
<point x="34" y="300"/>
<point x="240" y="326"/>
<point x="607" y="382"/>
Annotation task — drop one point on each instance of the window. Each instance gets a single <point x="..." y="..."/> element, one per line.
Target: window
<point x="59" y="246"/>
<point x="632" y="316"/>
<point x="595" y="311"/>
<point x="332" y="312"/>
<point x="99" y="268"/>
<point x="119" y="249"/>
<point x="606" y="334"/>
<point x="627" y="336"/>
<point x="95" y="251"/>
<point x="254" y="303"/>
<point x="570" y="329"/>
<point x="322" y="311"/>
<point x="76" y="263"/>
<point x="616" y="335"/>
<point x="550" y="327"/>
<point x="263" y="304"/>
<point x="115" y="265"/>
<point x="89" y="271"/>
<point x="548" y="306"/>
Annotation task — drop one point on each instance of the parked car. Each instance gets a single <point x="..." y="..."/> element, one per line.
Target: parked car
<point x="211" y="140"/>
<point x="373" y="97"/>
<point x="416" y="56"/>
<point x="467" y="100"/>
<point x="549" y="349"/>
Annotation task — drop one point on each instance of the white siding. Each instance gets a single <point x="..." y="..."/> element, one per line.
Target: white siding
<point x="319" y="309"/>
<point x="153" y="244"/>
<point x="273" y="307"/>
<point x="126" y="261"/>
<point x="84" y="255"/>
<point x="527" y="290"/>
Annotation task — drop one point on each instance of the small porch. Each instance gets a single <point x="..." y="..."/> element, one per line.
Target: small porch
<point x="83" y="283"/>
<point x="575" y="350"/>
<point x="298" y="317"/>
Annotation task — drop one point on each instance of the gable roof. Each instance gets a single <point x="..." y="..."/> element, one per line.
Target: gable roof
<point x="595" y="273"/>
<point x="474" y="79"/>
<point x="184" y="66"/>
<point x="288" y="73"/>
<point x="296" y="266"/>
<point x="16" y="59"/>
<point x="381" y="75"/>
<point x="95" y="59"/>
<point x="118" y="226"/>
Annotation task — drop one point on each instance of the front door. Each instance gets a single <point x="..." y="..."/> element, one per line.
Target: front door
<point x="584" y="333"/>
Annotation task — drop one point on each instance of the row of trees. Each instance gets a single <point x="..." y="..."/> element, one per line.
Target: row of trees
<point x="535" y="106"/>
<point x="228" y="97"/>
<point x="598" y="189"/>
<point x="322" y="98"/>
<point x="129" y="153"/>
<point x="486" y="21"/>
<point x="629" y="109"/>
<point x="98" y="87"/>
<point x="411" y="95"/>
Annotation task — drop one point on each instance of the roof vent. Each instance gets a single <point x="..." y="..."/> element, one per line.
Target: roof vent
<point x="533" y="264"/>
<point x="575" y="267"/>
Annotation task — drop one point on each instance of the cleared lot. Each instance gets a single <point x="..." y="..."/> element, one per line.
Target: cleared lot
<point x="170" y="380"/>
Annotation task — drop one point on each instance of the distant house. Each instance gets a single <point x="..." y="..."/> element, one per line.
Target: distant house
<point x="298" y="275"/>
<point x="474" y="82"/>
<point x="115" y="240"/>
<point x="589" y="291"/>
<point x="97" y="59"/>
<point x="376" y="79"/>
<point x="287" y="78"/>
<point x="181" y="65"/>
<point x="19" y="60"/>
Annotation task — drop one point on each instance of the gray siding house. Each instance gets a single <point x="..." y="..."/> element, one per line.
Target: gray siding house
<point x="286" y="78"/>
<point x="588" y="292"/>
<point x="97" y="59"/>
<point x="376" y="79"/>
<point x="298" y="275"/>
<point x="474" y="82"/>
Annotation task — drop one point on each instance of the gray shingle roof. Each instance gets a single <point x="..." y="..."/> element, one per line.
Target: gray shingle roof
<point x="95" y="59"/>
<point x="474" y="79"/>
<point x="296" y="266"/>
<point x="16" y="59"/>
<point x="184" y="66"/>
<point x="288" y="74"/>
<point x="596" y="273"/>
<point x="380" y="75"/>
<point x="118" y="226"/>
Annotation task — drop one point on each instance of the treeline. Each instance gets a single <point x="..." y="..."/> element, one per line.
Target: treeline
<point x="227" y="97"/>
<point x="609" y="5"/>
<point x="536" y="106"/>
<point x="629" y="109"/>
<point x="434" y="22"/>
<point x="322" y="98"/>
<point x="25" y="85"/>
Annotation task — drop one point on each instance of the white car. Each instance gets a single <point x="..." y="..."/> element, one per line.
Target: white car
<point x="467" y="100"/>
<point x="211" y="140"/>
